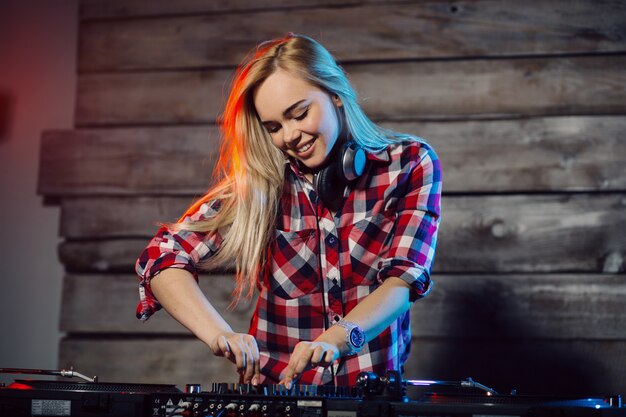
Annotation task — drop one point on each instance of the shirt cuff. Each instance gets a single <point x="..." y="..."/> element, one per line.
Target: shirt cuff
<point x="410" y="272"/>
<point x="148" y="304"/>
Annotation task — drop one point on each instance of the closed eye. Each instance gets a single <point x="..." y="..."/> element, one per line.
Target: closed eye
<point x="272" y="129"/>
<point x="303" y="115"/>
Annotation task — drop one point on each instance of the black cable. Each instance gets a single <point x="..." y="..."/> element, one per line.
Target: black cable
<point x="319" y="260"/>
<point x="322" y="280"/>
<point x="174" y="411"/>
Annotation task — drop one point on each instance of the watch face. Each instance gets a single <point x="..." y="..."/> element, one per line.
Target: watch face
<point x="357" y="338"/>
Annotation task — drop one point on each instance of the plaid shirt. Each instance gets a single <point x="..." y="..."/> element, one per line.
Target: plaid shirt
<point x="387" y="227"/>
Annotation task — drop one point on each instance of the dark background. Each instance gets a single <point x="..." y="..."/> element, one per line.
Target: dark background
<point x="37" y="87"/>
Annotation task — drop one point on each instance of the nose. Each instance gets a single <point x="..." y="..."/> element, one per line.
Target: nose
<point x="291" y="133"/>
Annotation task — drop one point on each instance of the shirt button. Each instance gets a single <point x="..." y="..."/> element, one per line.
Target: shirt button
<point x="331" y="240"/>
<point x="336" y="318"/>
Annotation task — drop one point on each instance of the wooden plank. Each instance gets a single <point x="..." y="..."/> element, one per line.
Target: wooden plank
<point x="128" y="160"/>
<point x="389" y="91"/>
<point x="520" y="233"/>
<point x="146" y="360"/>
<point x="103" y="9"/>
<point x="363" y="32"/>
<point x="130" y="216"/>
<point x="531" y="233"/>
<point x="569" y="367"/>
<point x="464" y="306"/>
<point x="575" y="153"/>
<point x="101" y="255"/>
<point x="563" y="306"/>
<point x="84" y="312"/>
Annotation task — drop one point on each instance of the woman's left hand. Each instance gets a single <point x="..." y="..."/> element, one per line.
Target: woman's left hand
<point x="307" y="355"/>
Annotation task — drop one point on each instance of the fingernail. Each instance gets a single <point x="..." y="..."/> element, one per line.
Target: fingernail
<point x="255" y="380"/>
<point x="288" y="385"/>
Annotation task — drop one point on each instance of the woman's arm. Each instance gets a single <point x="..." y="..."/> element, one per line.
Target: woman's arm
<point x="374" y="314"/>
<point x="178" y="292"/>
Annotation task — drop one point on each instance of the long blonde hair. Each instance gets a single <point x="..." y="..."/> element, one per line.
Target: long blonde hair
<point x="250" y="169"/>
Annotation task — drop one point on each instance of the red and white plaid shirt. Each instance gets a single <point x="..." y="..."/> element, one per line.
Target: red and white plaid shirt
<point x="387" y="227"/>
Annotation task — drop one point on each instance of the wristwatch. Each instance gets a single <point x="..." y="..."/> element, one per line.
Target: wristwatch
<point x="355" y="336"/>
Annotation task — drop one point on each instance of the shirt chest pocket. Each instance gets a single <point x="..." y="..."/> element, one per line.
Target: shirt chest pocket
<point x="294" y="263"/>
<point x="369" y="241"/>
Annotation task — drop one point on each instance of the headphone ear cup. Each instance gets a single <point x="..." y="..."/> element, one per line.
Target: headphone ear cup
<point x="351" y="162"/>
<point x="331" y="181"/>
<point x="329" y="187"/>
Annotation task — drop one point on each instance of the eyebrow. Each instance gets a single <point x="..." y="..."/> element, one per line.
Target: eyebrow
<point x="287" y="111"/>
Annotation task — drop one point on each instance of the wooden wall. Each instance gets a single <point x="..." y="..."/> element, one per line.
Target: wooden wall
<point x="523" y="101"/>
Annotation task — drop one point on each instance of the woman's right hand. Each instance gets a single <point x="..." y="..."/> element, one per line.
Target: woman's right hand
<point x="179" y="293"/>
<point x="242" y="350"/>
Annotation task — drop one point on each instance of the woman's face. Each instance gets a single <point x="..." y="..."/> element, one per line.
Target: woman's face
<point x="301" y="119"/>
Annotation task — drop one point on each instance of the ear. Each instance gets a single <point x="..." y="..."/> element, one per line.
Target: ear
<point x="337" y="100"/>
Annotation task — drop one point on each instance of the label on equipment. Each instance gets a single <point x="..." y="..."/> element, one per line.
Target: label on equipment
<point x="309" y="403"/>
<point x="309" y="408"/>
<point x="341" y="413"/>
<point x="50" y="408"/>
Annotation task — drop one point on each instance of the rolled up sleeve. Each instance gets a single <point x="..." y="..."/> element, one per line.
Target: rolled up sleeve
<point x="182" y="249"/>
<point x="412" y="250"/>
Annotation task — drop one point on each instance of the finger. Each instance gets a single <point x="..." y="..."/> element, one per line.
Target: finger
<point x="297" y="362"/>
<point x="254" y="365"/>
<point x="317" y="356"/>
<point x="240" y="359"/>
<point x="296" y="366"/>
<point x="223" y="347"/>
<point x="257" y="371"/>
<point x="304" y="362"/>
<point x="249" y="371"/>
<point x="288" y="376"/>
<point x="287" y="381"/>
<point x="327" y="358"/>
<point x="290" y="381"/>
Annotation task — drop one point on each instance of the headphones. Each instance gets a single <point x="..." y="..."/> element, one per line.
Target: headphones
<point x="331" y="181"/>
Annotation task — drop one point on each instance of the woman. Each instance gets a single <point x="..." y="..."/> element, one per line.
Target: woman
<point x="332" y="218"/>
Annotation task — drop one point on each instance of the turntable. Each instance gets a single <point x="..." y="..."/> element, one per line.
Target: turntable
<point x="372" y="396"/>
<point x="30" y="397"/>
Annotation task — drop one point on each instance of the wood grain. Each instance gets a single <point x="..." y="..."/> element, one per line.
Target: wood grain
<point x="358" y="32"/>
<point x="128" y="160"/>
<point x="517" y="233"/>
<point x="84" y="311"/>
<point x="103" y="9"/>
<point x="389" y="91"/>
<point x="575" y="153"/>
<point x="517" y="306"/>
<point x="545" y="367"/>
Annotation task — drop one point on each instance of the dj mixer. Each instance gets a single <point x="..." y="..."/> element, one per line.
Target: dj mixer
<point x="373" y="395"/>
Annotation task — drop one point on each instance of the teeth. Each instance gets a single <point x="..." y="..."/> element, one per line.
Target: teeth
<point x="305" y="147"/>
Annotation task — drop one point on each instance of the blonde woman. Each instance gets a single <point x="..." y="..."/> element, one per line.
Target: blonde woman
<point x="332" y="218"/>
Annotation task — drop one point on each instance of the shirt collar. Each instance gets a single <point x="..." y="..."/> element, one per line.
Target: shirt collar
<point x="380" y="156"/>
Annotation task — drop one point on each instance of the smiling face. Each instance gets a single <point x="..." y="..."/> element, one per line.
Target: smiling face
<point x="301" y="119"/>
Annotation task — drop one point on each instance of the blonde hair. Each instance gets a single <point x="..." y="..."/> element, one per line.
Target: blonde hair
<point x="250" y="169"/>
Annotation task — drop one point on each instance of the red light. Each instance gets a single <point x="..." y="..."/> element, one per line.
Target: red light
<point x="20" y="386"/>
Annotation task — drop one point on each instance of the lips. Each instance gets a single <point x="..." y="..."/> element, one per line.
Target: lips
<point x="305" y="150"/>
<point x="305" y="147"/>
